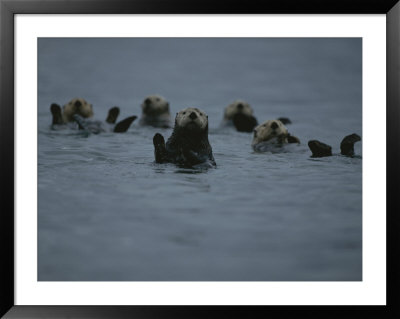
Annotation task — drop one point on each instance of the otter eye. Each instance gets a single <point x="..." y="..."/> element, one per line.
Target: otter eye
<point x="157" y="99"/>
<point x="184" y="113"/>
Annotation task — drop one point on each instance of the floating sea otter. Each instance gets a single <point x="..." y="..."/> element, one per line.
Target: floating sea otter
<point x="188" y="145"/>
<point x="240" y="114"/>
<point x="272" y="135"/>
<point x="89" y="125"/>
<point x="155" y="112"/>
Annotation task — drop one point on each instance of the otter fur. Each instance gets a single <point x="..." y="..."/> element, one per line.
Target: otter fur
<point x="110" y="124"/>
<point x="77" y="106"/>
<point x="90" y="125"/>
<point x="155" y="112"/>
<point x="188" y="145"/>
<point x="240" y="114"/>
<point x="272" y="134"/>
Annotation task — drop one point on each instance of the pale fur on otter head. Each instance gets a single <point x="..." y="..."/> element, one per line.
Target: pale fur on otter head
<point x="77" y="106"/>
<point x="155" y="112"/>
<point x="236" y="107"/>
<point x="192" y="118"/>
<point x="155" y="105"/>
<point x="269" y="130"/>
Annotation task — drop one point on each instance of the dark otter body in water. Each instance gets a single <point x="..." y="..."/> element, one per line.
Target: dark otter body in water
<point x="244" y="122"/>
<point x="240" y="114"/>
<point x="188" y="145"/>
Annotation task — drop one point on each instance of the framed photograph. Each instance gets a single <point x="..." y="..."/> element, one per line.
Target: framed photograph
<point x="162" y="158"/>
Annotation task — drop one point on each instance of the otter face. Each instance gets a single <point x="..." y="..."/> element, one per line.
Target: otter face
<point x="236" y="108"/>
<point x="77" y="106"/>
<point x="269" y="130"/>
<point x="192" y="118"/>
<point x="155" y="105"/>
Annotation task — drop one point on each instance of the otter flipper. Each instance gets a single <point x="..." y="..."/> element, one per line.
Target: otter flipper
<point x="293" y="139"/>
<point x="244" y="123"/>
<point x="160" y="151"/>
<point x="112" y="115"/>
<point x="347" y="145"/>
<point x="57" y="115"/>
<point x="319" y="149"/>
<point x="124" y="125"/>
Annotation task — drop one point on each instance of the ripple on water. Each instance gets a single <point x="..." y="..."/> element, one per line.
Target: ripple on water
<point x="102" y="201"/>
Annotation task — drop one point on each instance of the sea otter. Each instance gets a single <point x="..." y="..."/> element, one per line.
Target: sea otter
<point x="188" y="145"/>
<point x="64" y="118"/>
<point x="89" y="125"/>
<point x="155" y="112"/>
<point x="271" y="135"/>
<point x="240" y="114"/>
<point x="77" y="106"/>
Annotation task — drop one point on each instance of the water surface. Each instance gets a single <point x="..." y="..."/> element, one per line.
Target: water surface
<point x="107" y="212"/>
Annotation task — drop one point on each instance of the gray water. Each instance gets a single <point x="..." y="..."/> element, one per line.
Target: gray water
<point x="107" y="212"/>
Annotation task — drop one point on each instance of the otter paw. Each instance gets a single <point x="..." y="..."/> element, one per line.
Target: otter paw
<point x="319" y="149"/>
<point x="159" y="148"/>
<point x="158" y="140"/>
<point x="293" y="139"/>
<point x="112" y="115"/>
<point x="56" y="113"/>
<point x="55" y="108"/>
<point x="123" y="126"/>
<point x="347" y="145"/>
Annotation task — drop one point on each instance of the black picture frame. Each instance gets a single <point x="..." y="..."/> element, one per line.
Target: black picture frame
<point x="8" y="8"/>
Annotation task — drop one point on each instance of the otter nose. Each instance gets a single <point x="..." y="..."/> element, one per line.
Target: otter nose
<point x="240" y="106"/>
<point x="78" y="103"/>
<point x="147" y="101"/>
<point x="193" y="115"/>
<point x="274" y="126"/>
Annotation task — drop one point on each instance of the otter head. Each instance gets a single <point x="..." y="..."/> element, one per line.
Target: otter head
<point x="77" y="106"/>
<point x="155" y="105"/>
<point x="237" y="107"/>
<point x="269" y="130"/>
<point x="192" y="119"/>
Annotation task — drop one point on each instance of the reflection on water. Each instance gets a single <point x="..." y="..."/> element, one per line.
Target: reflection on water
<point x="108" y="212"/>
